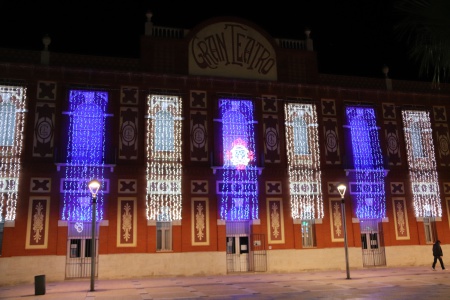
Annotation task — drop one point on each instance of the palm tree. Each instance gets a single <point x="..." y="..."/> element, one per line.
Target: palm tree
<point x="425" y="26"/>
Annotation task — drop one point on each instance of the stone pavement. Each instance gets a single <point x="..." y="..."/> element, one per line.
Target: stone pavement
<point x="373" y="283"/>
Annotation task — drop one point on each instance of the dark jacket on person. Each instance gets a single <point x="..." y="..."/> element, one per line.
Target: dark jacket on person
<point x="437" y="250"/>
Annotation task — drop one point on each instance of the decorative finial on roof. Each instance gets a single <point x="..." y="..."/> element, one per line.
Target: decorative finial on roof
<point x="46" y="40"/>
<point x="385" y="71"/>
<point x="149" y="23"/>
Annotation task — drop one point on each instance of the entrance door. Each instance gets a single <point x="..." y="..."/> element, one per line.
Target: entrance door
<point x="237" y="253"/>
<point x="238" y="247"/>
<point x="373" y="251"/>
<point x="78" y="259"/>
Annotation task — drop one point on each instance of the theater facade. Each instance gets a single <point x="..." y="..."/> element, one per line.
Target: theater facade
<point x="219" y="150"/>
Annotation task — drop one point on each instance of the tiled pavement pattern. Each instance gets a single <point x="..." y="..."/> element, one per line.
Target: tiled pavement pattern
<point x="374" y="283"/>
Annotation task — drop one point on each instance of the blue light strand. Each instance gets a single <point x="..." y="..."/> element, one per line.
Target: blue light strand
<point x="239" y="195"/>
<point x="368" y="163"/>
<point x="85" y="154"/>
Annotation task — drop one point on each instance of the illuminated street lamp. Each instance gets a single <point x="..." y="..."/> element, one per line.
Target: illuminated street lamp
<point x="94" y="186"/>
<point x="341" y="188"/>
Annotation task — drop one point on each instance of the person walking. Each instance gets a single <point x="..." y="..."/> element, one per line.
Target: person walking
<point x="437" y="253"/>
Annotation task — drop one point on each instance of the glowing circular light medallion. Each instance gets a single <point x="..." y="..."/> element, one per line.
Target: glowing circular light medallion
<point x="239" y="155"/>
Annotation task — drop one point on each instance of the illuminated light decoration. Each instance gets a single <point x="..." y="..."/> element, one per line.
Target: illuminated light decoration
<point x="238" y="190"/>
<point x="12" y="121"/>
<point x="302" y="144"/>
<point x="239" y="155"/>
<point x="422" y="163"/>
<point x="164" y="158"/>
<point x="368" y="163"/>
<point x="85" y="154"/>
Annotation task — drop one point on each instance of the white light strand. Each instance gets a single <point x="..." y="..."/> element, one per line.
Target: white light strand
<point x="12" y="122"/>
<point x="303" y="154"/>
<point x="422" y="163"/>
<point x="164" y="158"/>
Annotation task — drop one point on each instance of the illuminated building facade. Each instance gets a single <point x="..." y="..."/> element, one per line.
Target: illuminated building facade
<point x="215" y="160"/>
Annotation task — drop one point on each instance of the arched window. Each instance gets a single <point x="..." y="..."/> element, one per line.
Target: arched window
<point x="87" y="134"/>
<point x="416" y="140"/>
<point x="164" y="131"/>
<point x="301" y="146"/>
<point x="7" y="124"/>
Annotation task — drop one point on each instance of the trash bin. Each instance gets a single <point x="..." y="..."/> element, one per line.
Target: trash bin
<point x="39" y="285"/>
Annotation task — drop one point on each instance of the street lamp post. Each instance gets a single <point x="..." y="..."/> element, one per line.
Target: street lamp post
<point x="341" y="188"/>
<point x="94" y="186"/>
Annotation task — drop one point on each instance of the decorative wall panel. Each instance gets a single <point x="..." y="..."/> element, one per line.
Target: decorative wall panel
<point x="198" y="99"/>
<point x="332" y="153"/>
<point x="392" y="143"/>
<point x="128" y="134"/>
<point x="126" y="222"/>
<point x="389" y="111"/>
<point x="129" y="95"/>
<point x="269" y="103"/>
<point x="439" y="114"/>
<point x="447" y="201"/>
<point x="199" y="135"/>
<point x="127" y="186"/>
<point x="337" y="230"/>
<point x="443" y="144"/>
<point x="275" y="220"/>
<point x="400" y="219"/>
<point x="397" y="188"/>
<point x="200" y="221"/>
<point x="46" y="90"/>
<point x="273" y="187"/>
<point x="332" y="187"/>
<point x="199" y="187"/>
<point x="44" y="130"/>
<point x="446" y="187"/>
<point x="37" y="224"/>
<point x="328" y="107"/>
<point x="271" y="138"/>
<point x="40" y="185"/>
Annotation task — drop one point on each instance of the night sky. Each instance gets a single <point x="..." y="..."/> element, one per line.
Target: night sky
<point x="351" y="37"/>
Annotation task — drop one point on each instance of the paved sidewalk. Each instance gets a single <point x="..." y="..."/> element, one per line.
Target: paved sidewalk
<point x="374" y="283"/>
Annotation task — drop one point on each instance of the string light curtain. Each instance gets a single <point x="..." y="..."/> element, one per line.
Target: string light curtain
<point x="368" y="163"/>
<point x="164" y="158"/>
<point x="239" y="188"/>
<point x="422" y="163"/>
<point x="12" y="122"/>
<point x="85" y="154"/>
<point x="303" y="155"/>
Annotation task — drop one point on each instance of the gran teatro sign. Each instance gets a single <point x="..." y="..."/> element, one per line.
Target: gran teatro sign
<point x="231" y="49"/>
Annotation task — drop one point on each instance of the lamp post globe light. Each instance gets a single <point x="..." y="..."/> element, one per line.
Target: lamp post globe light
<point x="341" y="189"/>
<point x="94" y="186"/>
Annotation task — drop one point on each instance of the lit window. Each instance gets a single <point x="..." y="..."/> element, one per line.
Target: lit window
<point x="416" y="140"/>
<point x="163" y="236"/>
<point x="308" y="234"/>
<point x="300" y="136"/>
<point x="164" y="135"/>
<point x="7" y="123"/>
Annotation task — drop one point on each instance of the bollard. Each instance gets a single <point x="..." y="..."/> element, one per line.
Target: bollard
<point x="39" y="285"/>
